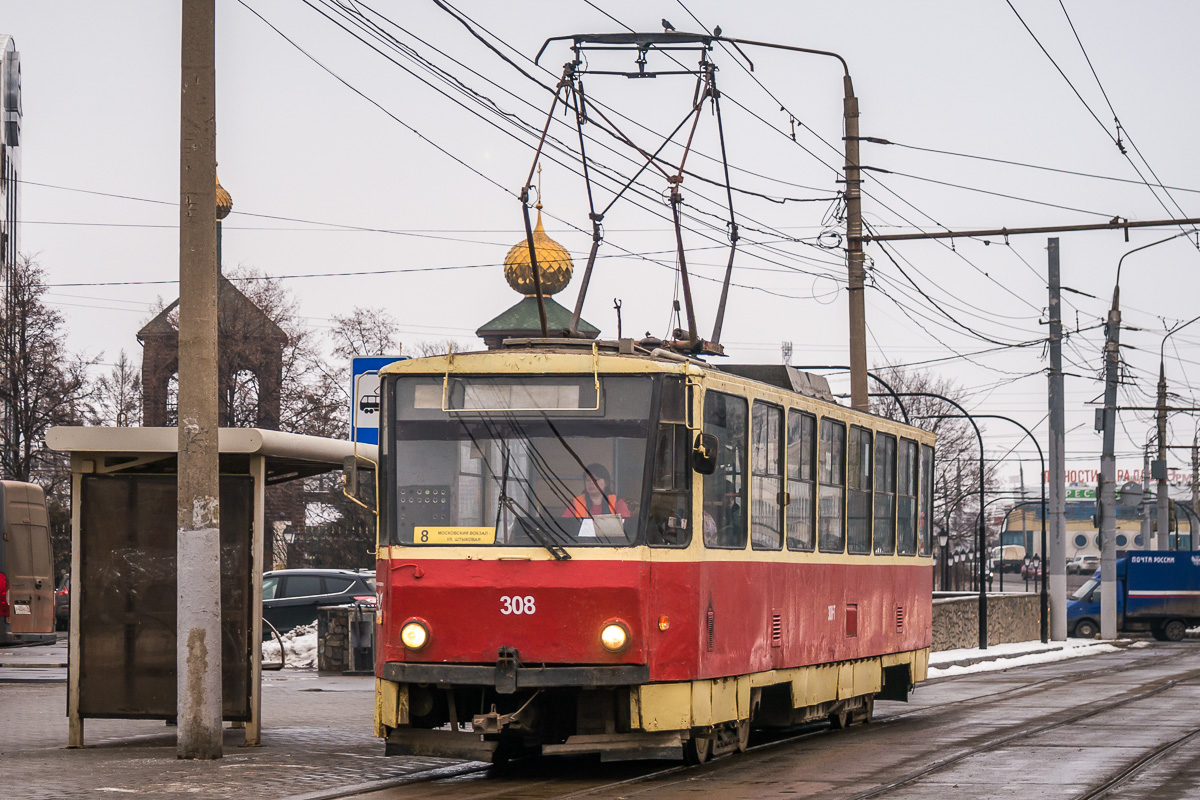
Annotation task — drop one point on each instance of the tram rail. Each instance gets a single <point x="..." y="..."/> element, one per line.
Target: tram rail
<point x="450" y="782"/>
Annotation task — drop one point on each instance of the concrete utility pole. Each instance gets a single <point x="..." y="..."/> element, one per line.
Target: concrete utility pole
<point x="1054" y="558"/>
<point x="854" y="255"/>
<point x="198" y="653"/>
<point x="1195" y="489"/>
<point x="1160" y="467"/>
<point x="1108" y="474"/>
<point x="1147" y="529"/>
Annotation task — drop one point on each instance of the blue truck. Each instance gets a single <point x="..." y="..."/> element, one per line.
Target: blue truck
<point x="1157" y="591"/>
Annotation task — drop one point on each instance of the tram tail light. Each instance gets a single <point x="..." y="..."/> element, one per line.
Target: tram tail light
<point x="663" y="623"/>
<point x="614" y="636"/>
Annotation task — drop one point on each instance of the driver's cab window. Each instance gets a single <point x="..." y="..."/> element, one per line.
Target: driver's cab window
<point x="725" y="489"/>
<point x="671" y="475"/>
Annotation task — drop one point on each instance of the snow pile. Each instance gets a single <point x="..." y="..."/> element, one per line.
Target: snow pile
<point x="1005" y="658"/>
<point x="300" y="646"/>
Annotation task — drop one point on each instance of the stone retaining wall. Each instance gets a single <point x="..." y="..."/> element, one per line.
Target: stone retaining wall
<point x="334" y="637"/>
<point x="1011" y="618"/>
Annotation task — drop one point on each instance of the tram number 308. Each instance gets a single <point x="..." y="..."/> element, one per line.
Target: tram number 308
<point x="516" y="604"/>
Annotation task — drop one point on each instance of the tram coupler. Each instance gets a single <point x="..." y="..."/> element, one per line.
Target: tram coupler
<point x="492" y="722"/>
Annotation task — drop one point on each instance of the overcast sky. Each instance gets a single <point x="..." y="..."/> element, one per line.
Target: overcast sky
<point x="434" y="172"/>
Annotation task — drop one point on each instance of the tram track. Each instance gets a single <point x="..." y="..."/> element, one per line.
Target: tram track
<point x="1029" y="689"/>
<point x="528" y="780"/>
<point x="1139" y="765"/>
<point x="1092" y="710"/>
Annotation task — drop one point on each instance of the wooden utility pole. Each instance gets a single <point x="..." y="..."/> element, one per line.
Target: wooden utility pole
<point x="198" y="647"/>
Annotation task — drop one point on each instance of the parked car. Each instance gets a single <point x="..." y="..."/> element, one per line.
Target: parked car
<point x="26" y="565"/>
<point x="291" y="596"/>
<point x="62" y="602"/>
<point x="1083" y="565"/>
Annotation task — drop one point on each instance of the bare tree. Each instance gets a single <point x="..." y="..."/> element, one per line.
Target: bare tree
<point x="43" y="383"/>
<point x="956" y="458"/>
<point x="434" y="347"/>
<point x="118" y="395"/>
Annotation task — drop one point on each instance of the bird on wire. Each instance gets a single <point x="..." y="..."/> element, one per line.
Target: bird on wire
<point x="667" y="26"/>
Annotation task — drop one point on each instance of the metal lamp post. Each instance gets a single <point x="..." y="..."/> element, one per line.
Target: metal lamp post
<point x="1108" y="460"/>
<point x="944" y="544"/>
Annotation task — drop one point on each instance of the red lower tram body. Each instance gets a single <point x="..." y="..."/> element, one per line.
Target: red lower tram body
<point x="512" y="659"/>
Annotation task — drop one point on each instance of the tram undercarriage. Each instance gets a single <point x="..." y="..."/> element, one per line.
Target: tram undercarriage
<point x="690" y="720"/>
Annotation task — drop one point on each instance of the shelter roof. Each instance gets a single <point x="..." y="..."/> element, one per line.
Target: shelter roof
<point x="288" y="455"/>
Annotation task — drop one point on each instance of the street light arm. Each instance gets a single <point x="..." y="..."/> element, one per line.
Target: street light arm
<point x="873" y="376"/>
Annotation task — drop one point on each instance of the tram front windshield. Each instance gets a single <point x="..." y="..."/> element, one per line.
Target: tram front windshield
<point x="527" y="461"/>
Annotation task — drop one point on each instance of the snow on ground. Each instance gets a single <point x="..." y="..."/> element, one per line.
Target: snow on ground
<point x="300" y="645"/>
<point x="1018" y="654"/>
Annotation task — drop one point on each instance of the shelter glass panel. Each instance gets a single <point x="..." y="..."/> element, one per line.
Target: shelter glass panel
<point x="127" y="603"/>
<point x="831" y="524"/>
<point x="802" y="484"/>
<point x="766" y="465"/>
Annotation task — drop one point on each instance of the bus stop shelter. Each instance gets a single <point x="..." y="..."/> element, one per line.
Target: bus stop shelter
<point x="122" y="642"/>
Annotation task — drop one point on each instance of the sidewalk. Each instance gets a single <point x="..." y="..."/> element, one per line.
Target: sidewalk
<point x="317" y="742"/>
<point x="317" y="737"/>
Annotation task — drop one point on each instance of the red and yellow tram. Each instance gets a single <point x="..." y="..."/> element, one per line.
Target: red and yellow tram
<point x="590" y="547"/>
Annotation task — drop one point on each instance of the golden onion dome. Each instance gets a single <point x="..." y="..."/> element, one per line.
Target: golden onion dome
<point x="224" y="201"/>
<point x="553" y="260"/>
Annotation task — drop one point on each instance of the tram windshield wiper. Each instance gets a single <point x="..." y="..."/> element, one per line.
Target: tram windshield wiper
<point x="535" y="531"/>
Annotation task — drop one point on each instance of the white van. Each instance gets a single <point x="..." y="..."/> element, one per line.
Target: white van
<point x="26" y="565"/>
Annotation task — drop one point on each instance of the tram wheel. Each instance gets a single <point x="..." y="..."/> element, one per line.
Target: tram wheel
<point x="866" y="712"/>
<point x="839" y="720"/>
<point x="742" y="729"/>
<point x="697" y="749"/>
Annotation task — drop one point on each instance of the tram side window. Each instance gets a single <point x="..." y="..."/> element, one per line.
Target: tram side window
<point x="831" y="525"/>
<point x="885" y="494"/>
<point x="907" y="498"/>
<point x="802" y="485"/>
<point x="926" y="518"/>
<point x="858" y="504"/>
<point x="766" y="467"/>
<point x="725" y="490"/>
<point x="670" y="498"/>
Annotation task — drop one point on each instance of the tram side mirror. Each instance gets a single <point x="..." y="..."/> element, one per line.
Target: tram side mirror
<point x="350" y="470"/>
<point x="704" y="454"/>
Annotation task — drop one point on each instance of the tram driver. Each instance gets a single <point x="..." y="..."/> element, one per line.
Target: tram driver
<point x="596" y="503"/>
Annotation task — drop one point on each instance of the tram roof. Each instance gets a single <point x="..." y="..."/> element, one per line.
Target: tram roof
<point x="580" y="356"/>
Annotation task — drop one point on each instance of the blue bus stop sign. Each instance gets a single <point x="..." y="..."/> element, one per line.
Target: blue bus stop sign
<point x="364" y="393"/>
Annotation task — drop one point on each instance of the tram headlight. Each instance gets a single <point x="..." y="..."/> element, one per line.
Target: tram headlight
<point x="614" y="636"/>
<point x="414" y="634"/>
